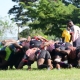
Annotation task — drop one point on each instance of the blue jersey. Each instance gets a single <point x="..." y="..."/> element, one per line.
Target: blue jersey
<point x="20" y="42"/>
<point x="1" y="46"/>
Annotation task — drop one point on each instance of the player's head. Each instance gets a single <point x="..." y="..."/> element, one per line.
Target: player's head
<point x="69" y="23"/>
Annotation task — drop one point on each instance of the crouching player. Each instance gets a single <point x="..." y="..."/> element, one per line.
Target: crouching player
<point x="44" y="60"/>
<point x="73" y="55"/>
<point x="34" y="54"/>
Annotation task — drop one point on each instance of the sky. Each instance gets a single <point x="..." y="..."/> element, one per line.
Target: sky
<point x="5" y="6"/>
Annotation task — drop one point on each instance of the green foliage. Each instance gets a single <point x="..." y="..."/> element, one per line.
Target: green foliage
<point x="74" y="2"/>
<point x="48" y="15"/>
<point x="25" y="33"/>
<point x="32" y="33"/>
<point x="4" y="25"/>
<point x="54" y="14"/>
<point x="18" y="10"/>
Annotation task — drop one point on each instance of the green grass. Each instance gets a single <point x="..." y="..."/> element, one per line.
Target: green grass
<point x="36" y="74"/>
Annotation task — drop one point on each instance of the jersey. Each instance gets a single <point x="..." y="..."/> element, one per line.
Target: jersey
<point x="50" y="47"/>
<point x="66" y="35"/>
<point x="26" y="44"/>
<point x="9" y="52"/>
<point x="76" y="32"/>
<point x="31" y="53"/>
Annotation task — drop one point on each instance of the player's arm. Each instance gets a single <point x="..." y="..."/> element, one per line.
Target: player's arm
<point x="16" y="45"/>
<point x="41" y="38"/>
<point x="71" y="38"/>
<point x="63" y="38"/>
<point x="8" y="43"/>
<point x="62" y="51"/>
<point x="22" y="39"/>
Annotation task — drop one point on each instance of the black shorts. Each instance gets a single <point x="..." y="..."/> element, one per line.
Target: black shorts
<point x="59" y="54"/>
<point x="52" y="53"/>
<point x="44" y="54"/>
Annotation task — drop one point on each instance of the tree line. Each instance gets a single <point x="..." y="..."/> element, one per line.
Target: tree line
<point x="48" y="16"/>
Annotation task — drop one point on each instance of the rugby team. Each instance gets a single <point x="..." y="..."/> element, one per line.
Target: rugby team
<point x="47" y="53"/>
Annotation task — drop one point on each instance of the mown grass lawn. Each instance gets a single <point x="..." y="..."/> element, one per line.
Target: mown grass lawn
<point x="36" y="74"/>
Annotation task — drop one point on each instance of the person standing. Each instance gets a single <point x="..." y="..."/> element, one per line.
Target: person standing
<point x="75" y="32"/>
<point x="66" y="37"/>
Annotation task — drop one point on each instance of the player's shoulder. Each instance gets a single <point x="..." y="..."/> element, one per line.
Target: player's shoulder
<point x="76" y="26"/>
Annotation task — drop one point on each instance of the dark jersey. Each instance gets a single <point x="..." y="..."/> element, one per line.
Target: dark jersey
<point x="76" y="43"/>
<point x="36" y="43"/>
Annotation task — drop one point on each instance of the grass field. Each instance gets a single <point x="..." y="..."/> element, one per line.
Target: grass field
<point x="36" y="74"/>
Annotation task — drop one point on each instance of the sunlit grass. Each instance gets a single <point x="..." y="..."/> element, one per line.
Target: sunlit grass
<point x="36" y="74"/>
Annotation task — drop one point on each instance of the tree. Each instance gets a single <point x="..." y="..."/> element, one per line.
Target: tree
<point x="76" y="13"/>
<point x="31" y="32"/>
<point x="18" y="10"/>
<point x="50" y="16"/>
<point x="73" y="2"/>
<point x="6" y="27"/>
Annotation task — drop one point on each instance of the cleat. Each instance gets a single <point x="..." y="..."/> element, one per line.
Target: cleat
<point x="58" y="66"/>
<point x="70" y="66"/>
<point x="50" y="67"/>
<point x="29" y="68"/>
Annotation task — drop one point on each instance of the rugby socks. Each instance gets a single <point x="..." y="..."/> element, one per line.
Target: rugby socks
<point x="65" y="65"/>
<point x="30" y="62"/>
<point x="43" y="66"/>
<point x="58" y="66"/>
<point x="74" y="65"/>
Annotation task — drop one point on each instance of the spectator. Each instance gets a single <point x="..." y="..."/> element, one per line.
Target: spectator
<point x="75" y="30"/>
<point x="66" y="37"/>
